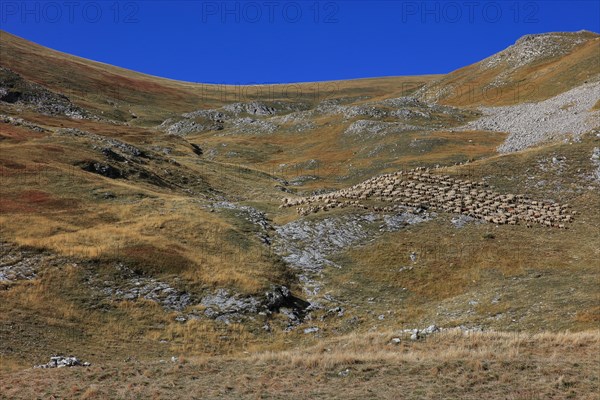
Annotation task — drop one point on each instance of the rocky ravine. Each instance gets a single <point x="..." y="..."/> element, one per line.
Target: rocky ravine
<point x="307" y="245"/>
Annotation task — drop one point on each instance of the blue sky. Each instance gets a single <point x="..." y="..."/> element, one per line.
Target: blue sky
<point x="245" y="42"/>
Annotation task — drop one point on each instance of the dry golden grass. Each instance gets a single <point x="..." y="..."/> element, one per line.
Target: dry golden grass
<point x="189" y="242"/>
<point x="374" y="347"/>
<point x="449" y="365"/>
<point x="51" y="206"/>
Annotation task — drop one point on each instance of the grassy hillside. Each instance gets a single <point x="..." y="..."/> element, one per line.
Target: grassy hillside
<point x="132" y="97"/>
<point x="140" y="220"/>
<point x="536" y="68"/>
<point x="451" y="366"/>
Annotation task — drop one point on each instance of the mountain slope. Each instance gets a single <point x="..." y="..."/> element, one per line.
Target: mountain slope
<point x="535" y="68"/>
<point x="124" y="95"/>
<point x="143" y="219"/>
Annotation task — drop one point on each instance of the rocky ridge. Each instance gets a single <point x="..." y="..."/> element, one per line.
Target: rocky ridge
<point x="17" y="91"/>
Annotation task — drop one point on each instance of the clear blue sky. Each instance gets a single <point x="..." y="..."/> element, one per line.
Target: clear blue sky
<point x="244" y="42"/>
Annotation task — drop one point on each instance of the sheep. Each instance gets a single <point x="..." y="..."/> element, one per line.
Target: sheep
<point x="416" y="188"/>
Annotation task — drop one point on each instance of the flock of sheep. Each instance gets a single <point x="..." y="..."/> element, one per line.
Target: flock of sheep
<point x="420" y="189"/>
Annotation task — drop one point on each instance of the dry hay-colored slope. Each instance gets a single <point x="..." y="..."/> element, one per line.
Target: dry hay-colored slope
<point x="449" y="365"/>
<point x="506" y="277"/>
<point x="167" y="232"/>
<point x="502" y="80"/>
<point x="180" y="240"/>
<point x="47" y="201"/>
<point x="331" y="160"/>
